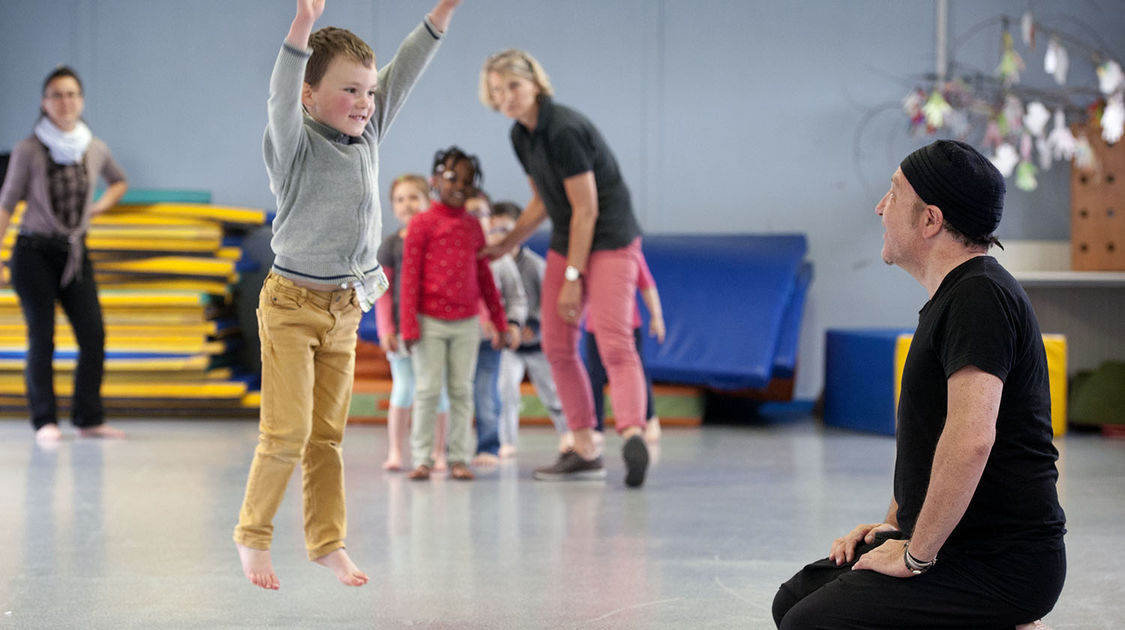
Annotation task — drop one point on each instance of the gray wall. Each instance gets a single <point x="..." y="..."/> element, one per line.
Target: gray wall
<point x="727" y="115"/>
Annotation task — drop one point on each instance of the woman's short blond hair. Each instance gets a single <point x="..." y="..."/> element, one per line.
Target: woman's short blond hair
<point x="513" y="62"/>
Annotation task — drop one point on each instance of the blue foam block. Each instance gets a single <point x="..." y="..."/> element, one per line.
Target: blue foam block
<point x="733" y="306"/>
<point x="859" y="379"/>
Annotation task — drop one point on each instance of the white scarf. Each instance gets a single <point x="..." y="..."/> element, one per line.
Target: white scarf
<point x="67" y="147"/>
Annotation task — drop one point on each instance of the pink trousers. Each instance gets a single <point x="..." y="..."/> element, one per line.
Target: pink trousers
<point x="609" y="287"/>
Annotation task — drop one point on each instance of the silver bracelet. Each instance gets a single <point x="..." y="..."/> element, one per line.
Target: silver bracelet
<point x="914" y="565"/>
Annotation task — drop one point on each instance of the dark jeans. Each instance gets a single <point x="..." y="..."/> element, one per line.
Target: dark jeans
<point x="486" y="399"/>
<point x="963" y="590"/>
<point x="37" y="265"/>
<point x="599" y="378"/>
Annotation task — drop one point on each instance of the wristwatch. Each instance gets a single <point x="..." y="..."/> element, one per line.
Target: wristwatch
<point x="572" y="274"/>
<point x="916" y="566"/>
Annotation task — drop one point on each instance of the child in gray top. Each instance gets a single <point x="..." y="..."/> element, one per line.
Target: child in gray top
<point x="328" y="110"/>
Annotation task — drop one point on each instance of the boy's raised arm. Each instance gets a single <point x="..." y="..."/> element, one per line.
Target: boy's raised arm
<point x="308" y="12"/>
<point x="442" y="13"/>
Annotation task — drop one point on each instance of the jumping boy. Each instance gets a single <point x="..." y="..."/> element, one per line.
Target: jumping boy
<point x="328" y="111"/>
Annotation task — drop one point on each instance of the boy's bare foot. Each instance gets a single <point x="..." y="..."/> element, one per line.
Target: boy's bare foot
<point x="258" y="567"/>
<point x="343" y="567"/>
<point x="102" y="431"/>
<point x="507" y="451"/>
<point x="393" y="462"/>
<point x="482" y="459"/>
<point x="440" y="463"/>
<point x="48" y="433"/>
<point x="652" y="430"/>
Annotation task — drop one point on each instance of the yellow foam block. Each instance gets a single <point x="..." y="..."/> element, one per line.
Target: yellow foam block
<point x="115" y="364"/>
<point x="1055" y="347"/>
<point x="225" y="214"/>
<point x="127" y="299"/>
<point x="173" y="265"/>
<point x="218" y="389"/>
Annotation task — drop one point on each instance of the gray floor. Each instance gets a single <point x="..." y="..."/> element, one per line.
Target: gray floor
<point x="136" y="533"/>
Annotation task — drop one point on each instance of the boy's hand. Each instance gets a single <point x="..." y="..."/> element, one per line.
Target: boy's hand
<point x="308" y="12"/>
<point x="443" y="13"/>
<point x="409" y="344"/>
<point x="513" y="339"/>
<point x="310" y="9"/>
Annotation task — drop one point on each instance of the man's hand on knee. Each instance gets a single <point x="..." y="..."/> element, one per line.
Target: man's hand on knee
<point x="887" y="559"/>
<point x="843" y="549"/>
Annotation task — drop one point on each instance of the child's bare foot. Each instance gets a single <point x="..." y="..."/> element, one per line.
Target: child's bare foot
<point x="48" y="433"/>
<point x="483" y="460"/>
<point x="258" y="567"/>
<point x="507" y="451"/>
<point x="343" y="567"/>
<point x="440" y="463"/>
<point x="652" y="430"/>
<point x="393" y="462"/>
<point x="461" y="472"/>
<point x="102" y="431"/>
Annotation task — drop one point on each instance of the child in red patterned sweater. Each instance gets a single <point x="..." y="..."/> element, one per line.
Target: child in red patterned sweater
<point x="443" y="281"/>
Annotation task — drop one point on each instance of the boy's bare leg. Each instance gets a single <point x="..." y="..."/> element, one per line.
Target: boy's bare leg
<point x="343" y="567"/>
<point x="258" y="567"/>
<point x="440" y="424"/>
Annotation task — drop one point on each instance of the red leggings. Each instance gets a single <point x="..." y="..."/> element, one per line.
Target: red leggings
<point x="608" y="289"/>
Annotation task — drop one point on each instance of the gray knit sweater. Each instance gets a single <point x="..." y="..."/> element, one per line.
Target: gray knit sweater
<point x="329" y="222"/>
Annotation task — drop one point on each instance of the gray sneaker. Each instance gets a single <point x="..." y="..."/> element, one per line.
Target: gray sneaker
<point x="571" y="467"/>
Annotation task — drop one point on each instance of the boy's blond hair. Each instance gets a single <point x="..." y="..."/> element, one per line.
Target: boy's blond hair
<point x="513" y="62"/>
<point x="329" y="42"/>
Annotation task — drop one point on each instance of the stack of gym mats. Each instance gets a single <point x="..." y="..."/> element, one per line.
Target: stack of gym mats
<point x="166" y="264"/>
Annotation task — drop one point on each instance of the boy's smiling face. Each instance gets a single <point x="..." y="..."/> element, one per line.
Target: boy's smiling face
<point x="345" y="97"/>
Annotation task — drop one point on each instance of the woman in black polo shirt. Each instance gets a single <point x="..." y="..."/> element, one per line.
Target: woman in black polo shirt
<point x="55" y="170"/>
<point x="592" y="262"/>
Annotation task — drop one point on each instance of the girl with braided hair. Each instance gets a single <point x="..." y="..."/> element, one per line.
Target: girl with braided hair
<point x="443" y="280"/>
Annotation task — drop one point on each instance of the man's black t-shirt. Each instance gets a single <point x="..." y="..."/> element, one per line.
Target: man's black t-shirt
<point x="980" y="316"/>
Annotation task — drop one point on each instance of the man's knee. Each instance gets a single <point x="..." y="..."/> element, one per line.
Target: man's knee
<point x="783" y="604"/>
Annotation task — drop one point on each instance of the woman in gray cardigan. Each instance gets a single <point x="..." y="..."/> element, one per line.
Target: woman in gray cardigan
<point x="55" y="171"/>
